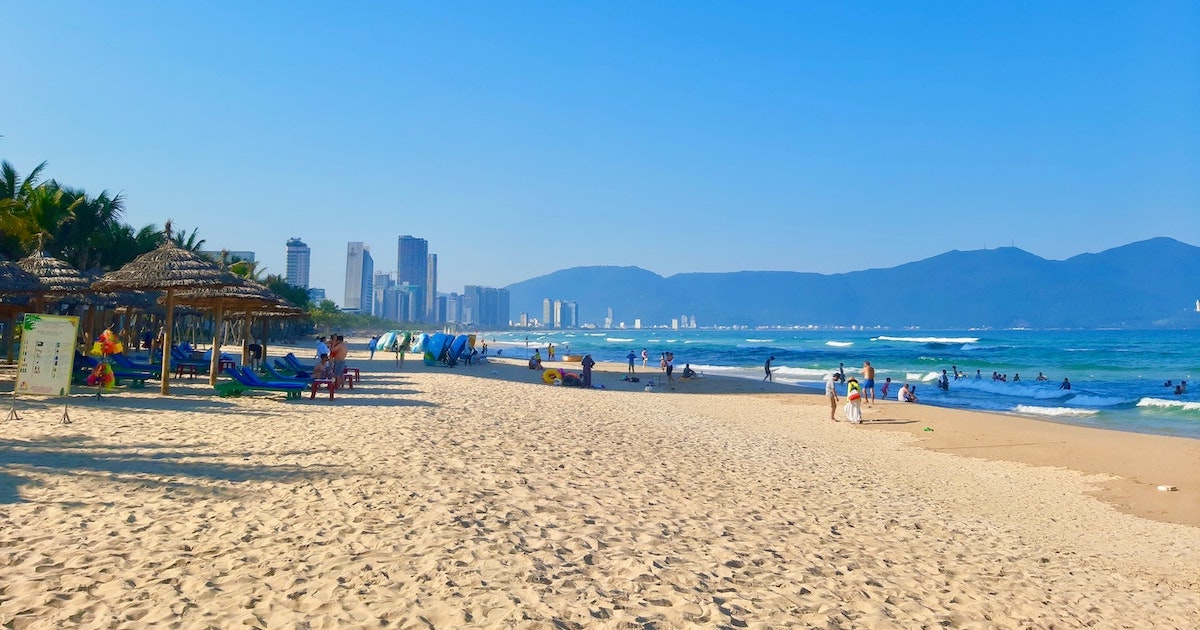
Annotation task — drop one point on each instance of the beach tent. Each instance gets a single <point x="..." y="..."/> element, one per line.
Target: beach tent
<point x="457" y="347"/>
<point x="434" y="347"/>
<point x="418" y="343"/>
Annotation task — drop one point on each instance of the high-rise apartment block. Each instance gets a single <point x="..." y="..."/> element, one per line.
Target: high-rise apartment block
<point x="298" y="263"/>
<point x="412" y="267"/>
<point x="485" y="307"/>
<point x="360" y="276"/>
<point x="431" y="308"/>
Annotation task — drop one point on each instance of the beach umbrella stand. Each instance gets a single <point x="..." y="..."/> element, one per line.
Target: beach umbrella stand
<point x="169" y="269"/>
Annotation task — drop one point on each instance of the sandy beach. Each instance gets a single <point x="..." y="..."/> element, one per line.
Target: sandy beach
<point x="478" y="496"/>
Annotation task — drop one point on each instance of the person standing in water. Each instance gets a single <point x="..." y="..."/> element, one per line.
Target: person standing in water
<point x="869" y="382"/>
<point x="767" y="369"/>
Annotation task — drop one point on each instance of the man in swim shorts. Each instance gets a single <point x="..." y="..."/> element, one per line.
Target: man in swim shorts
<point x="868" y="382"/>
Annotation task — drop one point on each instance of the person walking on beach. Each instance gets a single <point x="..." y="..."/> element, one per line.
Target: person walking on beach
<point x="670" y="366"/>
<point x="645" y="358"/>
<point x="632" y="357"/>
<point x="887" y="383"/>
<point x="869" y="382"/>
<point x="831" y="394"/>
<point x="373" y="344"/>
<point x="767" y="369"/>
<point x="587" y="364"/>
<point x="550" y="352"/>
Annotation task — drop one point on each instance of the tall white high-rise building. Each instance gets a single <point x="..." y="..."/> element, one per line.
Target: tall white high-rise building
<point x="298" y="263"/>
<point x="431" y="309"/>
<point x="360" y="272"/>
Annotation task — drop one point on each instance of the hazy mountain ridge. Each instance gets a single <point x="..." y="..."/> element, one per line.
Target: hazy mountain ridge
<point x="1144" y="284"/>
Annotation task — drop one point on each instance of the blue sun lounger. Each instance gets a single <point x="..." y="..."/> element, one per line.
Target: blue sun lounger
<point x="245" y="380"/>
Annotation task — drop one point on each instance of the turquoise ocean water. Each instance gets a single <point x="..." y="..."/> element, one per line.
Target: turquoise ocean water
<point x="1117" y="375"/>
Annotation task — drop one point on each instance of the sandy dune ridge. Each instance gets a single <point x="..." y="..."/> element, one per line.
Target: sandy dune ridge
<point x="437" y="498"/>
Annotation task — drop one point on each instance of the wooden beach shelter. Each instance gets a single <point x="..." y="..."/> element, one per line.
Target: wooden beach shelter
<point x="17" y="286"/>
<point x="59" y="280"/>
<point x="281" y="310"/>
<point x="246" y="296"/>
<point x="169" y="269"/>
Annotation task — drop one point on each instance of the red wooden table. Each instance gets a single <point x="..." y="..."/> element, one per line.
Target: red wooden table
<point x="318" y="383"/>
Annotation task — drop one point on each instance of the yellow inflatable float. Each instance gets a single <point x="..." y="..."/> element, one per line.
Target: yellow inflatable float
<point x="549" y="376"/>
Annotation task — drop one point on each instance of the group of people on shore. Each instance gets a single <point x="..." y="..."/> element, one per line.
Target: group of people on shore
<point x="856" y="392"/>
<point x="331" y="359"/>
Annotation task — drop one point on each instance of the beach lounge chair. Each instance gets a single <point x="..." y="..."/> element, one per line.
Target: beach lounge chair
<point x="129" y="364"/>
<point x="296" y="365"/>
<point x="276" y="375"/>
<point x="136" y="377"/>
<point x="245" y="380"/>
<point x="181" y="361"/>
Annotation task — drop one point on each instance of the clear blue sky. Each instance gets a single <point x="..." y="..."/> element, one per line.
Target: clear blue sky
<point x="524" y="137"/>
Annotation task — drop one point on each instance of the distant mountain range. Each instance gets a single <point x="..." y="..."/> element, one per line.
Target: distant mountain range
<point x="1148" y="284"/>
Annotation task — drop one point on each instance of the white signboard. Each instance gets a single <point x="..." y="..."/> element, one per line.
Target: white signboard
<point x="47" y="354"/>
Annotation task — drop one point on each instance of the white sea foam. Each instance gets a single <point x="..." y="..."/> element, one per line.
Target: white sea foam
<point x="1040" y="391"/>
<point x="618" y="339"/>
<point x="928" y="339"/>
<point x="839" y="344"/>
<point x="759" y="340"/>
<point x="1169" y="404"/>
<point x="1054" y="411"/>
<point x="1085" y="400"/>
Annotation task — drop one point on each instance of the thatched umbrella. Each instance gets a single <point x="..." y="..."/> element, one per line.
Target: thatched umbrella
<point x="244" y="296"/>
<point x="168" y="268"/>
<point x="17" y="286"/>
<point x="58" y="279"/>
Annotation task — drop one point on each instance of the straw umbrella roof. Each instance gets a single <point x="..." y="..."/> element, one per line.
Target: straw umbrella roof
<point x="16" y="281"/>
<point x="244" y="295"/>
<point x="168" y="268"/>
<point x="57" y="277"/>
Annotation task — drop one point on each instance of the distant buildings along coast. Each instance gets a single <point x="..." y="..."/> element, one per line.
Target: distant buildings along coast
<point x="409" y="294"/>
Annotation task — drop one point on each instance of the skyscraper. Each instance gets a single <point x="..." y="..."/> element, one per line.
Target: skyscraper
<point x="485" y="307"/>
<point x="298" y="257"/>
<point x="360" y="271"/>
<point x="412" y="266"/>
<point x="412" y="260"/>
<point x="431" y="310"/>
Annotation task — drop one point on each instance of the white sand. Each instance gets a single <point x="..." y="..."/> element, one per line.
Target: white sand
<point x="462" y="498"/>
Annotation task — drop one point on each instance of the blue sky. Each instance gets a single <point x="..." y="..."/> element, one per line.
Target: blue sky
<point x="521" y="138"/>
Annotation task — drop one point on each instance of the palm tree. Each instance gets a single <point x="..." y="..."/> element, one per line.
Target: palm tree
<point x="190" y="243"/>
<point x="14" y="199"/>
<point x="120" y="244"/>
<point x="81" y="236"/>
<point x="278" y="285"/>
<point x="47" y="208"/>
<point x="246" y="269"/>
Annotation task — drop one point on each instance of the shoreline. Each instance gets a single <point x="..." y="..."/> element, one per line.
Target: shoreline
<point x="1138" y="462"/>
